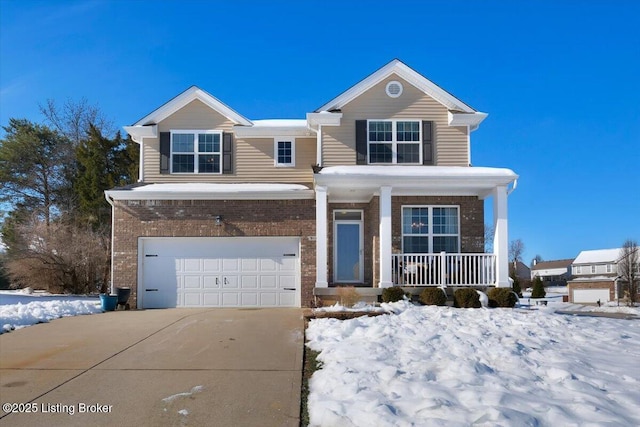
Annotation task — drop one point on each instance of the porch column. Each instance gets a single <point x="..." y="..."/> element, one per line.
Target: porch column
<point x="385" y="238"/>
<point x="321" y="237"/>
<point x="501" y="237"/>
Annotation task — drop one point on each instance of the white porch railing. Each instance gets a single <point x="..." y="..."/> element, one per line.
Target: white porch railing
<point x="444" y="269"/>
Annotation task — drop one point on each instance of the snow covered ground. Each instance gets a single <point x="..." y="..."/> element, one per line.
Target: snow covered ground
<point x="433" y="366"/>
<point x="19" y="309"/>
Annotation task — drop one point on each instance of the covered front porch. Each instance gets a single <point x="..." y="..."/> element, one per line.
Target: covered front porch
<point x="410" y="226"/>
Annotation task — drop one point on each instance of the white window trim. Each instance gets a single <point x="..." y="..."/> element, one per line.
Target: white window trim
<point x="394" y="142"/>
<point x="609" y="268"/>
<point x="430" y="234"/>
<point x="293" y="151"/>
<point x="195" y="153"/>
<point x="593" y="269"/>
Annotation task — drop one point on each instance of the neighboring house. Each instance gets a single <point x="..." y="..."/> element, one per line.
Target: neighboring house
<point x="522" y="272"/>
<point x="552" y="273"/>
<point x="594" y="276"/>
<point x="373" y="189"/>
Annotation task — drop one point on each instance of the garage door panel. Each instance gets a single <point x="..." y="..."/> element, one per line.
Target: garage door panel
<point x="211" y="299"/>
<point x="249" y="265"/>
<point x="268" y="299"/>
<point x="192" y="299"/>
<point x="211" y="265"/>
<point x="289" y="264"/>
<point x="268" y="281"/>
<point x="268" y="265"/>
<point x="191" y="282"/>
<point x="249" y="281"/>
<point x="192" y="265"/>
<point x="230" y="264"/>
<point x="249" y="299"/>
<point x="220" y="272"/>
<point x="210" y="282"/>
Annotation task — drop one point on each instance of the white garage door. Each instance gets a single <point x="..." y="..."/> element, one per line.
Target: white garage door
<point x="590" y="295"/>
<point x="219" y="272"/>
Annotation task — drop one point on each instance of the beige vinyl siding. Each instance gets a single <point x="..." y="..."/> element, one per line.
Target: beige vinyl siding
<point x="451" y="146"/>
<point x="253" y="157"/>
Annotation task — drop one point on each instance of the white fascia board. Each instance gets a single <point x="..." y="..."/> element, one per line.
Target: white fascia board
<point x="138" y="133"/>
<point x="271" y="131"/>
<point x="324" y="118"/>
<point x="409" y="75"/>
<point x="185" y="98"/>
<point x="472" y="120"/>
<point x="245" y="195"/>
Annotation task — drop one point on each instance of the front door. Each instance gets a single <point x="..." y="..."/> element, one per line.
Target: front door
<point x="348" y="253"/>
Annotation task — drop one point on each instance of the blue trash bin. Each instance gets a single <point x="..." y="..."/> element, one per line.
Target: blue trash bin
<point x="108" y="302"/>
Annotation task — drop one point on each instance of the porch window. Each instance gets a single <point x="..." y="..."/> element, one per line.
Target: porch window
<point x="394" y="141"/>
<point x="430" y="229"/>
<point x="195" y="151"/>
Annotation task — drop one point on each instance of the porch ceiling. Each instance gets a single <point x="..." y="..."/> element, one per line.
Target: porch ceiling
<point x="361" y="183"/>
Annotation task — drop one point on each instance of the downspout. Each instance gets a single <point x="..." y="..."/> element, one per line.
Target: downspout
<point x="113" y="222"/>
<point x="141" y="162"/>
<point x="318" y="143"/>
<point x="469" y="145"/>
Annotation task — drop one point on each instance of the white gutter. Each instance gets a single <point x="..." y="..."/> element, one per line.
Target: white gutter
<point x="113" y="223"/>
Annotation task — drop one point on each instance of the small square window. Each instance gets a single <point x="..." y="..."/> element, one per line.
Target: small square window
<point x="285" y="152"/>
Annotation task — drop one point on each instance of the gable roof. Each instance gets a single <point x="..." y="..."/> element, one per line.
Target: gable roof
<point x="547" y="265"/>
<point x="185" y="98"/>
<point x="411" y="76"/>
<point x="598" y="256"/>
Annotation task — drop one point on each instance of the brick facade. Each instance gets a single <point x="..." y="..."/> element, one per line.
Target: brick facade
<point x="196" y="218"/>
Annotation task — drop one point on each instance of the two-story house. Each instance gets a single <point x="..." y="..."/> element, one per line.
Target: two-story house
<point x="552" y="273"/>
<point x="373" y="189"/>
<point x="594" y="276"/>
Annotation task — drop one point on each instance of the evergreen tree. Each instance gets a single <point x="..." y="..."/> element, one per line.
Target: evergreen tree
<point x="103" y="163"/>
<point x="538" y="288"/>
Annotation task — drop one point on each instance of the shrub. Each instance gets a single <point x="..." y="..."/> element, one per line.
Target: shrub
<point x="538" y="288"/>
<point x="393" y="294"/>
<point x="466" y="298"/>
<point x="348" y="295"/>
<point x="502" y="297"/>
<point x="433" y="296"/>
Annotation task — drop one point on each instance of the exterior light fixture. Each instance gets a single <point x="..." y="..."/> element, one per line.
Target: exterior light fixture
<point x="218" y="219"/>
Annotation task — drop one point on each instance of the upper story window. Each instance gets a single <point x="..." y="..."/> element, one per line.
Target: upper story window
<point x="578" y="269"/>
<point x="394" y="141"/>
<point x="197" y="151"/>
<point x="609" y="268"/>
<point x="285" y="152"/>
<point x="430" y="229"/>
<point x="593" y="269"/>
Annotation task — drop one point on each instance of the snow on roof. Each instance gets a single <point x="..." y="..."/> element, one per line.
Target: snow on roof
<point x="280" y="123"/>
<point x="598" y="256"/>
<point x="211" y="191"/>
<point x="419" y="171"/>
<point x="218" y="188"/>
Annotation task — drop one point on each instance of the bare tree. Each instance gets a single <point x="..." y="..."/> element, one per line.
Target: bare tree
<point x="61" y="257"/>
<point x="516" y="250"/>
<point x="488" y="238"/>
<point x="628" y="268"/>
<point x="74" y="118"/>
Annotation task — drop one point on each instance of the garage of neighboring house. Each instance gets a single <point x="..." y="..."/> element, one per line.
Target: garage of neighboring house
<point x="219" y="272"/>
<point x="591" y="292"/>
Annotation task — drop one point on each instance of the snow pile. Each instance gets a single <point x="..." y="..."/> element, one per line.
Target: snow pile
<point x="443" y="366"/>
<point x="362" y="307"/>
<point x="18" y="310"/>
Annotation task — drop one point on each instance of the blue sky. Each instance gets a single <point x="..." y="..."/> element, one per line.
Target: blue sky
<point x="559" y="79"/>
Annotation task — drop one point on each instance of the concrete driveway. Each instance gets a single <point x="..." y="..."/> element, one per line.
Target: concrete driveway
<point x="215" y="367"/>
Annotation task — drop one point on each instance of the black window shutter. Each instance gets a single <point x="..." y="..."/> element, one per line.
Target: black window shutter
<point x="361" y="142"/>
<point x="165" y="151"/>
<point x="227" y="153"/>
<point x="427" y="143"/>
